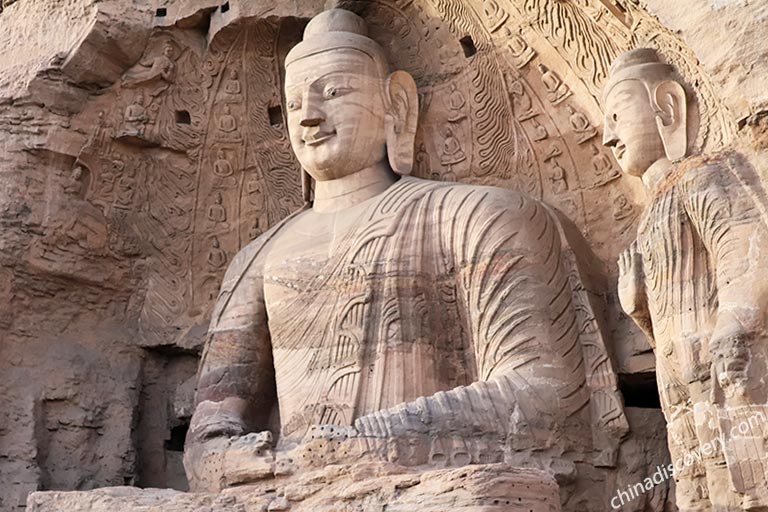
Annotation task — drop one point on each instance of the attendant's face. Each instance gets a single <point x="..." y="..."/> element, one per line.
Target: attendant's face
<point x="630" y="128"/>
<point x="336" y="113"/>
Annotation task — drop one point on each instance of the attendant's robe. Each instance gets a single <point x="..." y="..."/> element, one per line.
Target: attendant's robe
<point x="704" y="247"/>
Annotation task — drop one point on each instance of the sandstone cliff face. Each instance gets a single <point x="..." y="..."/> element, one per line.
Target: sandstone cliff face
<point x="131" y="174"/>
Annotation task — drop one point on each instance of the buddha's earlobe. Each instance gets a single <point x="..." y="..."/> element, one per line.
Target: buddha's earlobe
<point x="671" y="118"/>
<point x="402" y="118"/>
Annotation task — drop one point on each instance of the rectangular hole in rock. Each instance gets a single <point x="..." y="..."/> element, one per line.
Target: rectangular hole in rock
<point x="183" y="117"/>
<point x="224" y="7"/>
<point x="178" y="436"/>
<point x="275" y="115"/>
<point x="640" y="390"/>
<point x="468" y="45"/>
<point x="161" y="12"/>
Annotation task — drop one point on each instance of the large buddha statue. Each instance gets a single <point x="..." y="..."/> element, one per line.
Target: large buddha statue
<point x="695" y="281"/>
<point x="393" y="318"/>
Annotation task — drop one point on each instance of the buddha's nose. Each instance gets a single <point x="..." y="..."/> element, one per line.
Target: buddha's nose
<point x="311" y="115"/>
<point x="610" y="138"/>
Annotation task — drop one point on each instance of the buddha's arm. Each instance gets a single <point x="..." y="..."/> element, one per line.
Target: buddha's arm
<point x="517" y="301"/>
<point x="236" y="384"/>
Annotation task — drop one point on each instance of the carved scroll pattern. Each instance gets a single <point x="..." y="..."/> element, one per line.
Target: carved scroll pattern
<point x="588" y="36"/>
<point x="188" y="161"/>
<point x="516" y="131"/>
<point x="249" y="178"/>
<point x="146" y="195"/>
<point x="576" y="36"/>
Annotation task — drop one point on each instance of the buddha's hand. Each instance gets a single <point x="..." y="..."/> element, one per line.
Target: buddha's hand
<point x="207" y="441"/>
<point x="632" y="287"/>
<point x="248" y="458"/>
<point x="412" y="418"/>
<point x="217" y="462"/>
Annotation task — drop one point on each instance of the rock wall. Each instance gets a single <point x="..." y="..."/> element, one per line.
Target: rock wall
<point x="143" y="144"/>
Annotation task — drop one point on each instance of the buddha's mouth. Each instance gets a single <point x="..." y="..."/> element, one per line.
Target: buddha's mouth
<point x="318" y="138"/>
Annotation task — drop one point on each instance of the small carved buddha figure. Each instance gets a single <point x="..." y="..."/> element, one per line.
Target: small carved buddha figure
<point x="422" y="166"/>
<point x="580" y="125"/>
<point x="136" y="117"/>
<point x="452" y="152"/>
<point x="125" y="188"/>
<point x="603" y="168"/>
<point x="217" y="258"/>
<point x="222" y="167"/>
<point x="74" y="185"/>
<point x="160" y="68"/>
<point x="255" y="190"/>
<point x="232" y="85"/>
<point x="621" y="207"/>
<point x="228" y="126"/>
<point x="521" y="101"/>
<point x="558" y="178"/>
<point x="216" y="211"/>
<point x="455" y="104"/>
<point x="393" y="319"/>
<point x="539" y="130"/>
<point x="521" y="52"/>
<point x="695" y="281"/>
<point x="493" y="13"/>
<point x="557" y="91"/>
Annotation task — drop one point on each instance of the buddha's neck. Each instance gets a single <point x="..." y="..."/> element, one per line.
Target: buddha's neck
<point x="656" y="173"/>
<point x="339" y="194"/>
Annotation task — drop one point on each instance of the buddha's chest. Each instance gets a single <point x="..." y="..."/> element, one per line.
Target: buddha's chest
<point x="299" y="258"/>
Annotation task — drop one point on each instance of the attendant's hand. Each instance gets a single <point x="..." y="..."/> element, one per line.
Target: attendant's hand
<point x="729" y="349"/>
<point x="631" y="288"/>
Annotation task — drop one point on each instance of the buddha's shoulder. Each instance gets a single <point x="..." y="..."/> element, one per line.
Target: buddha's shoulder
<point x="459" y="197"/>
<point x="251" y="257"/>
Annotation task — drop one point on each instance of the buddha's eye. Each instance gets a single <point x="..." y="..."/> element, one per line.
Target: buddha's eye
<point x="615" y="117"/>
<point x="293" y="105"/>
<point x="330" y="92"/>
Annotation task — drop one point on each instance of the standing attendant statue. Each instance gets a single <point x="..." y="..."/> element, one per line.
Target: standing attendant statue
<point x="695" y="280"/>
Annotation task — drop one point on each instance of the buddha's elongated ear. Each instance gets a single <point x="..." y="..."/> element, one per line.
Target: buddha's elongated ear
<point x="671" y="118"/>
<point x="402" y="118"/>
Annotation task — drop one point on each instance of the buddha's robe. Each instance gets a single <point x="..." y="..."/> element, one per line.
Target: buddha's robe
<point x="704" y="247"/>
<point x="430" y="307"/>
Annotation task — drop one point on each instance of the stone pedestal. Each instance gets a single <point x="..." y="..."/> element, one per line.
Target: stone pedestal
<point x="339" y="488"/>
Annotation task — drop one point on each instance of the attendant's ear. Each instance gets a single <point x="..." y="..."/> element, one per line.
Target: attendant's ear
<point x="401" y="121"/>
<point x="671" y="118"/>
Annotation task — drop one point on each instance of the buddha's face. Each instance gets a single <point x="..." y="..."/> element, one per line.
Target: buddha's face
<point x="336" y="113"/>
<point x="630" y="127"/>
